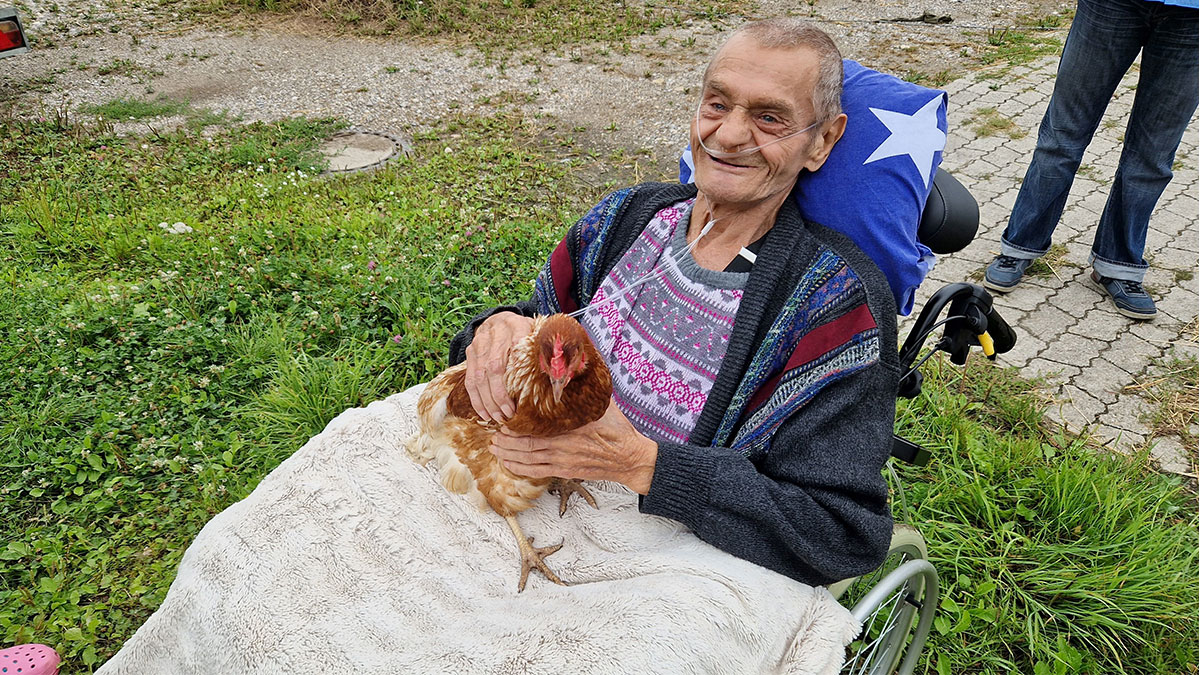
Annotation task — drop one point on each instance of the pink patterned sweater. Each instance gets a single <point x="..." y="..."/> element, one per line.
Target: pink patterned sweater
<point x="664" y="339"/>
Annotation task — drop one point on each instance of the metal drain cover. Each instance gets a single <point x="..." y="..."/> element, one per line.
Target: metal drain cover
<point x="358" y="150"/>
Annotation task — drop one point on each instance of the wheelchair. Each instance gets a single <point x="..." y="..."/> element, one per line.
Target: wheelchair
<point x="896" y="603"/>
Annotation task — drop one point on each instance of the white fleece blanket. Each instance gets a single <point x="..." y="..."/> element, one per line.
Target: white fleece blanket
<point x="350" y="558"/>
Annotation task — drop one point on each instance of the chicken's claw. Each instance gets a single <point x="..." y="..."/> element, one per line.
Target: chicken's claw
<point x="564" y="487"/>
<point x="532" y="557"/>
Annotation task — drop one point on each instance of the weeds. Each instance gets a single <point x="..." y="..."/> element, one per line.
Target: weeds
<point x="134" y="109"/>
<point x="938" y="79"/>
<point x="989" y="122"/>
<point x="1054" y="554"/>
<point x="128" y="68"/>
<point x="1016" y="47"/>
<point x="490" y="24"/>
<point x="1047" y="265"/>
<point x="1171" y="389"/>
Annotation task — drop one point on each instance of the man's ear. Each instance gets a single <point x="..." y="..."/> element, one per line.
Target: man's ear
<point x="823" y="144"/>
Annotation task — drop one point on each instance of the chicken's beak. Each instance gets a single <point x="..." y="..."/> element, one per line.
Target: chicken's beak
<point x="557" y="385"/>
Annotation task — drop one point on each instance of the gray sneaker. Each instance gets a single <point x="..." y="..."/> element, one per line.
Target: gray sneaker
<point x="1130" y="298"/>
<point x="1005" y="273"/>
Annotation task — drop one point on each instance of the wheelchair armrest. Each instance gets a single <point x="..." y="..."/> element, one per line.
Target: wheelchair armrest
<point x="907" y="451"/>
<point x="951" y="216"/>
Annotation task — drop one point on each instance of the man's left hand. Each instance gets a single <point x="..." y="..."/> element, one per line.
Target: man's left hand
<point x="607" y="449"/>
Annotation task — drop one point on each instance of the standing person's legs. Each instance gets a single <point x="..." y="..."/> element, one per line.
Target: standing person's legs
<point x="1104" y="39"/>
<point x="1162" y="108"/>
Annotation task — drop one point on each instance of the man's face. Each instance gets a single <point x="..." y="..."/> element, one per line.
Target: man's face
<point x="753" y="96"/>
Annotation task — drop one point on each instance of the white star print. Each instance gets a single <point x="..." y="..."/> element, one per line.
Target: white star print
<point x="916" y="135"/>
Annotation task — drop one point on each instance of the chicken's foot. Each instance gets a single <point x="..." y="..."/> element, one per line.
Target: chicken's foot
<point x="564" y="487"/>
<point x="532" y="557"/>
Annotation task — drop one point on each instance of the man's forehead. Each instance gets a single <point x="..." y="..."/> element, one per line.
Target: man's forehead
<point x="790" y="74"/>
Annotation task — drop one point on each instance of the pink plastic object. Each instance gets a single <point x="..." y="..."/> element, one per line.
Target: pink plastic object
<point x="29" y="660"/>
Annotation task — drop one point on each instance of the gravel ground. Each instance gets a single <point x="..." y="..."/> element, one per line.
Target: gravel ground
<point x="274" y="69"/>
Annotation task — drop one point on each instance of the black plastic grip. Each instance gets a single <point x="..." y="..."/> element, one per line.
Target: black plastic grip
<point x="1003" y="337"/>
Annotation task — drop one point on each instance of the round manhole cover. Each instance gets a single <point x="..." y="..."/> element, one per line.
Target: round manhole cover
<point x="361" y="150"/>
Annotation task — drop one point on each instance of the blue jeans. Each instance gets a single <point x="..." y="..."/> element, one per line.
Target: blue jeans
<point x="1105" y="37"/>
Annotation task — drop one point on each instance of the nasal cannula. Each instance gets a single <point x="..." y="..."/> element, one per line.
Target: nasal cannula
<point x="720" y="154"/>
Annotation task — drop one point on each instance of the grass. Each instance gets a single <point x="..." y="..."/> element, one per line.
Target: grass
<point x="488" y="24"/>
<point x="153" y="378"/>
<point x="1055" y="557"/>
<point x="1171" y="389"/>
<point x="1007" y="48"/>
<point x="127" y="108"/>
<point x="990" y="122"/>
<point x="1046" y="266"/>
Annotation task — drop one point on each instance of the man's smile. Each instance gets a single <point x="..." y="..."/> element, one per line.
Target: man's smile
<point x="729" y="164"/>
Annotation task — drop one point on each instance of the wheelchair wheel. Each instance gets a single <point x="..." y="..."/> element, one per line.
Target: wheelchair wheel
<point x="895" y="605"/>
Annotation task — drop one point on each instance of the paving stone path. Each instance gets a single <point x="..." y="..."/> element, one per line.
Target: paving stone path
<point x="1068" y="332"/>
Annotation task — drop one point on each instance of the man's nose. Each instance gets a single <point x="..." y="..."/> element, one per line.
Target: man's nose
<point x="735" y="130"/>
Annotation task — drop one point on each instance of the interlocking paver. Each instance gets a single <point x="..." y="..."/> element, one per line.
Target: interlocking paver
<point x="1066" y="346"/>
<point x="1161" y="334"/>
<point x="1027" y="347"/>
<point x="1171" y="258"/>
<point x="1087" y="409"/>
<point x="1053" y="315"/>
<point x="1106" y="382"/>
<point x="1128" y="417"/>
<point x="1172" y="456"/>
<point x="1055" y="375"/>
<point x="1068" y="331"/>
<point x="1132" y="350"/>
<point x="1096" y="323"/>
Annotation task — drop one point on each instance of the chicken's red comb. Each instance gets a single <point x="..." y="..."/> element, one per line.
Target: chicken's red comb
<point x="558" y="365"/>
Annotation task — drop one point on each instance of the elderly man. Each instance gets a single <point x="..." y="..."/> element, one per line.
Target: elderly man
<point x="754" y="393"/>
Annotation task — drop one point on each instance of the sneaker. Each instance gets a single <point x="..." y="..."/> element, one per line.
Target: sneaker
<point x="1005" y="273"/>
<point x="1130" y="298"/>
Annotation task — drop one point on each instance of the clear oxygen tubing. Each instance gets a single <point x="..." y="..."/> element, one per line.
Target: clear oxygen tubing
<point x="649" y="276"/>
<point x="722" y="155"/>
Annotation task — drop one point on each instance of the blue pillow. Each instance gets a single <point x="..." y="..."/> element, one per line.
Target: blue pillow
<point x="895" y="134"/>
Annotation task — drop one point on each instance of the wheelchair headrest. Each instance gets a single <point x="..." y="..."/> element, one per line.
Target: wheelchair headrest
<point x="951" y="216"/>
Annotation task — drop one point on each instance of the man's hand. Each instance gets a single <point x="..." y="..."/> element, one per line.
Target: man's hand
<point x="607" y="449"/>
<point x="487" y="359"/>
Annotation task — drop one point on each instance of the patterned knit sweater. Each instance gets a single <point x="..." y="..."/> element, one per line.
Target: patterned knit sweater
<point x="783" y="465"/>
<point x="662" y="324"/>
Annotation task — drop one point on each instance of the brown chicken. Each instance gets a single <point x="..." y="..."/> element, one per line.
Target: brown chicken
<point x="558" y="382"/>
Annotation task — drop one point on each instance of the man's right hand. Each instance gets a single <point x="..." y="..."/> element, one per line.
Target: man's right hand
<point x="487" y="359"/>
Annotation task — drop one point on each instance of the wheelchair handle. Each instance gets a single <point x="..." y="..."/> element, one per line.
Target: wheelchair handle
<point x="973" y="321"/>
<point x="1002" y="334"/>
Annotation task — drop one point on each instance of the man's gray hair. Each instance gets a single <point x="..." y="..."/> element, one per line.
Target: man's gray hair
<point x="794" y="33"/>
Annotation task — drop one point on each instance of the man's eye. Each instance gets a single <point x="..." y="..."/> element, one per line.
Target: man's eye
<point x="770" y="120"/>
<point x="713" y="110"/>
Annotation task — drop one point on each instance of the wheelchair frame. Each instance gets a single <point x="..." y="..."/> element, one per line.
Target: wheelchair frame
<point x="897" y="602"/>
